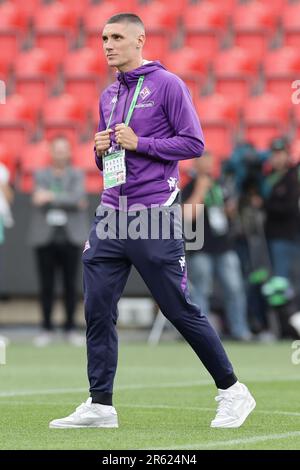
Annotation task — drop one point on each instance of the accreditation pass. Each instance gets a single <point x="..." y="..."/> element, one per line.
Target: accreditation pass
<point x="114" y="169"/>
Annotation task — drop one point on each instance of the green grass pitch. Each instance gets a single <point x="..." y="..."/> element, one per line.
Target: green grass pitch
<point x="164" y="398"/>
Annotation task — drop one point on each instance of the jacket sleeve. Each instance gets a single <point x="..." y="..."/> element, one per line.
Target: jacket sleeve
<point x="188" y="141"/>
<point x="101" y="127"/>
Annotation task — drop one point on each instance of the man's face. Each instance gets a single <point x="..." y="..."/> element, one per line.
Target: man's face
<point x="122" y="43"/>
<point x="60" y="152"/>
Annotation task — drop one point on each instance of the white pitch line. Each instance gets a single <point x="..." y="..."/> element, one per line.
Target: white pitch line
<point x="204" y="408"/>
<point x="52" y="391"/>
<point x="203" y="383"/>
<point x="232" y="442"/>
<point x="171" y="407"/>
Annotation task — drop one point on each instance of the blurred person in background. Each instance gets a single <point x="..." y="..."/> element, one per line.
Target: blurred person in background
<point x="243" y="173"/>
<point x="57" y="232"/>
<point x="216" y="260"/>
<point x="6" y="219"/>
<point x="281" y="205"/>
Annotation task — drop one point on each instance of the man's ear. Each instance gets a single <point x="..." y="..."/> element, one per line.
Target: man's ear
<point x="140" y="41"/>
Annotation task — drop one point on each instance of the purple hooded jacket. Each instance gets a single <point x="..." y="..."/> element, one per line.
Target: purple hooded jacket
<point x="168" y="130"/>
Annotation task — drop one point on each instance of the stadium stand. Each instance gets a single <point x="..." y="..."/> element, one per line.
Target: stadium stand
<point x="35" y="73"/>
<point x="235" y="72"/>
<point x="265" y="117"/>
<point x="238" y="57"/>
<point x="219" y="116"/>
<point x="254" y="24"/>
<point x="35" y="157"/>
<point x="291" y="24"/>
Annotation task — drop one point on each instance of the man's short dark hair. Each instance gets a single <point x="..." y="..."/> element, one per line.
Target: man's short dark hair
<point x="126" y="18"/>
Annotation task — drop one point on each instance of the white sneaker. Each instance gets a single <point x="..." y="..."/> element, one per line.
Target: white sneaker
<point x="75" y="339"/>
<point x="235" y="404"/>
<point x="89" y="415"/>
<point x="43" y="339"/>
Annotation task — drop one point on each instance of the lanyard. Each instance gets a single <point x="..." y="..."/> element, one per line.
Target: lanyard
<point x="132" y="104"/>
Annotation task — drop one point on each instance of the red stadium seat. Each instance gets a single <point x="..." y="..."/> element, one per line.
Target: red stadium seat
<point x="27" y="8"/>
<point x="156" y="46"/>
<point x="4" y="71"/>
<point x="296" y="110"/>
<point x="121" y="5"/>
<point x="160" y="22"/>
<point x="265" y="116"/>
<point x="158" y="16"/>
<point x="35" y="71"/>
<point x="85" y="69"/>
<point x="218" y="115"/>
<point x="282" y="67"/>
<point x="253" y="24"/>
<point x="291" y="24"/>
<point x="77" y="6"/>
<point x="227" y="6"/>
<point x="189" y="65"/>
<point x="278" y="6"/>
<point x="215" y="108"/>
<point x="55" y="25"/>
<point x="235" y="70"/>
<point x="17" y="119"/>
<point x="34" y="157"/>
<point x="94" y="20"/>
<point x="11" y="18"/>
<point x="178" y="6"/>
<point x="12" y="27"/>
<point x="64" y="115"/>
<point x="84" y="158"/>
<point x="204" y="22"/>
<point x="295" y="151"/>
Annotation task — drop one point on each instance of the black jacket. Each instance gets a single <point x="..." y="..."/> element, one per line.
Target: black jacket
<point x="282" y="207"/>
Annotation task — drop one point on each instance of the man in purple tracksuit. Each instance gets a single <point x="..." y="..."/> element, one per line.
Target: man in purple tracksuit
<point x="147" y="124"/>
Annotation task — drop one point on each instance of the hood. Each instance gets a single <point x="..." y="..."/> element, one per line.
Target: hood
<point x="133" y="75"/>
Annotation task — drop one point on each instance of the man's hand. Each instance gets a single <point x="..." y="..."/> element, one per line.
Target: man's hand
<point x="126" y="137"/>
<point x="42" y="197"/>
<point x="102" y="142"/>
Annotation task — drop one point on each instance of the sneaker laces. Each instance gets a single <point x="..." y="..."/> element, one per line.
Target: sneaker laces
<point x="225" y="403"/>
<point x="83" y="407"/>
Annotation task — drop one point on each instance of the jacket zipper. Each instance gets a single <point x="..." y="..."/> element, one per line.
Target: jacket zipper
<point x="123" y="118"/>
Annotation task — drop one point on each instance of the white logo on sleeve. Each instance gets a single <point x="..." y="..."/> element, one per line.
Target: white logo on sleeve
<point x="182" y="262"/>
<point x="87" y="246"/>
<point x="172" y="182"/>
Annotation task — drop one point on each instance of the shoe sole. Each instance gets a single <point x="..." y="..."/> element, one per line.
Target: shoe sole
<point x="238" y="422"/>
<point x="69" y="426"/>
